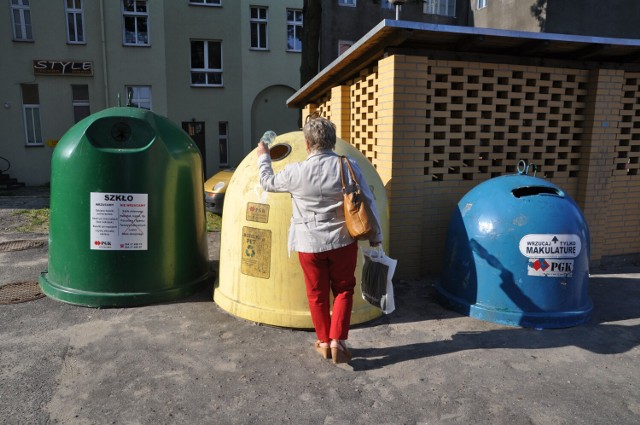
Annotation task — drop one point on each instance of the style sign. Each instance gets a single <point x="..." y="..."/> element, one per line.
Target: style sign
<point x="118" y="221"/>
<point x="62" y="67"/>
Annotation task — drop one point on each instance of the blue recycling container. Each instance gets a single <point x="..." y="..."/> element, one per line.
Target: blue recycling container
<point x="518" y="254"/>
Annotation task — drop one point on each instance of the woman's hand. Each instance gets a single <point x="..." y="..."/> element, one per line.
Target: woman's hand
<point x="262" y="148"/>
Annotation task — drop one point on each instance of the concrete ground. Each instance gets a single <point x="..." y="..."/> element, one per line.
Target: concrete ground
<point x="190" y="362"/>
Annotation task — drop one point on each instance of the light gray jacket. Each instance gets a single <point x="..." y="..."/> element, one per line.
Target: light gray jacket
<point x="317" y="222"/>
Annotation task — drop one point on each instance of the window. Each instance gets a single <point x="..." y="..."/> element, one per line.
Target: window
<point x="206" y="2"/>
<point x="294" y="30"/>
<point x="482" y="4"/>
<point x="135" y="26"/>
<point x="139" y="96"/>
<point x="80" y="102"/>
<point x="223" y="139"/>
<point x="31" y="112"/>
<point x="440" y="7"/>
<point x="21" y="16"/>
<point x="259" y="28"/>
<point x="75" y="26"/>
<point x="384" y="4"/>
<point x="206" y="63"/>
<point x="351" y="3"/>
<point x="343" y="46"/>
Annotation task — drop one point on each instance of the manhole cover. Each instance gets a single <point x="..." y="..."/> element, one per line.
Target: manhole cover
<point x="19" y="245"/>
<point x="19" y="292"/>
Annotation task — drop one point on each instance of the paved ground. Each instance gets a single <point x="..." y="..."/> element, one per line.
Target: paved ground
<point x="189" y="362"/>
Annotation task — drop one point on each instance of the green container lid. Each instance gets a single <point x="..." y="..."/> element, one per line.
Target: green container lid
<point x="127" y="223"/>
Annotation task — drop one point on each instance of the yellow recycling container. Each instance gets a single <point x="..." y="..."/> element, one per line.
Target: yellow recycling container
<point x="258" y="279"/>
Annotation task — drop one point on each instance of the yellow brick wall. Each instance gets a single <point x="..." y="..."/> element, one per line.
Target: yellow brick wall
<point x="434" y="129"/>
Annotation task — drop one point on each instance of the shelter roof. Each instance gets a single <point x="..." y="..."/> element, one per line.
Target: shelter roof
<point x="392" y="35"/>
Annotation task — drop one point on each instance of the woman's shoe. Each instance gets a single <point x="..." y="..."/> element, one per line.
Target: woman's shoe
<point x="339" y="352"/>
<point x="325" y="352"/>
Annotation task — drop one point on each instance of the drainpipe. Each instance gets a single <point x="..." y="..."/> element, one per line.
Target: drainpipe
<point x="105" y="69"/>
<point x="397" y="4"/>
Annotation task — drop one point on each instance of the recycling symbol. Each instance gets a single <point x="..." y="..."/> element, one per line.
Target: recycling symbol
<point x="250" y="251"/>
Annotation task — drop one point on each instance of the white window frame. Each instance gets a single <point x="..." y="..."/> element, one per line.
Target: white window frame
<point x="31" y="114"/>
<point x="348" y="3"/>
<point x="208" y="3"/>
<point x="138" y="100"/>
<point x="208" y="71"/>
<point x="75" y="15"/>
<point x="259" y="23"/>
<point x="482" y="4"/>
<point x="223" y="138"/>
<point x="21" y="20"/>
<point x="80" y="103"/>
<point x="295" y="26"/>
<point x="138" y="16"/>
<point x="439" y="7"/>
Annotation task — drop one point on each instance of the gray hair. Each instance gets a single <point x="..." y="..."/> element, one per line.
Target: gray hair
<point x="320" y="133"/>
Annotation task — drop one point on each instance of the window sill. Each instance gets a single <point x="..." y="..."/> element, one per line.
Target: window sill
<point x="258" y="49"/>
<point x="205" y="5"/>
<point x="34" y="145"/>
<point x="202" y="86"/>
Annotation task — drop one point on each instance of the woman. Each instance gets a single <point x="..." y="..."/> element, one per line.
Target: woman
<point x="326" y="251"/>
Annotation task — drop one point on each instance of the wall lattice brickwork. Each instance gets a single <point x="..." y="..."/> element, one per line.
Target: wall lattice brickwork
<point x="484" y="118"/>
<point x="364" y="102"/>
<point x="627" y="159"/>
<point x="436" y="128"/>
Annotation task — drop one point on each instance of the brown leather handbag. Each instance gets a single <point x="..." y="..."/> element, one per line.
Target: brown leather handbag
<point x="357" y="214"/>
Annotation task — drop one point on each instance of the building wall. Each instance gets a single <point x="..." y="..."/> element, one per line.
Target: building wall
<point x="435" y="128"/>
<point x="164" y="66"/>
<point x="613" y="18"/>
<point x="350" y="23"/>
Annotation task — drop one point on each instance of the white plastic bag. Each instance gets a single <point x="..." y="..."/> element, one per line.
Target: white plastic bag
<point x="376" y="282"/>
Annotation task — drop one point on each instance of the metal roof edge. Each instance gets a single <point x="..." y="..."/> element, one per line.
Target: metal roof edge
<point x="389" y="32"/>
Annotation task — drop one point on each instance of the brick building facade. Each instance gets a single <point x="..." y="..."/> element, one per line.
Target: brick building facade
<point x="437" y="110"/>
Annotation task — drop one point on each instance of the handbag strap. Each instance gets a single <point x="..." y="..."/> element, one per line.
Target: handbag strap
<point x="353" y="175"/>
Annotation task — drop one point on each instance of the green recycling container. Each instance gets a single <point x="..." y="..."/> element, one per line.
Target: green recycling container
<point x="127" y="221"/>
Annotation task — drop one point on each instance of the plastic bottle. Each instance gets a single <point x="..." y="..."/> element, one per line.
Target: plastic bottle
<point x="268" y="137"/>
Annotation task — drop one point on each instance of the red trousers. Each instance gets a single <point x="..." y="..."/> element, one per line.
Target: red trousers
<point x="330" y="270"/>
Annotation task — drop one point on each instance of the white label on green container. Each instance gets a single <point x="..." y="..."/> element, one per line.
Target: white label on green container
<point x="119" y="221"/>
